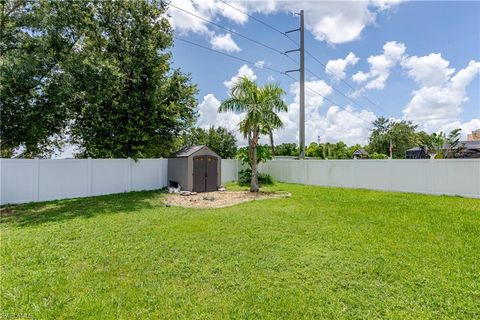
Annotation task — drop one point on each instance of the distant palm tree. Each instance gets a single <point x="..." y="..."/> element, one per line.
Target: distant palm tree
<point x="260" y="106"/>
<point x="275" y="104"/>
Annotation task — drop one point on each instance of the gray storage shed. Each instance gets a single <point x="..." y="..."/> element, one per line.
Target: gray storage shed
<point x="195" y="168"/>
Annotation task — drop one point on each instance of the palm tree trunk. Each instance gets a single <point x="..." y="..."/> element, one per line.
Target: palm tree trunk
<point x="270" y="132"/>
<point x="254" y="180"/>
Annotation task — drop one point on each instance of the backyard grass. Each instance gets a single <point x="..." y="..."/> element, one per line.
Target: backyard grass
<point x="322" y="253"/>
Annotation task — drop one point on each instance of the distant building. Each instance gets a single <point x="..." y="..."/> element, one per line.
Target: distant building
<point x="360" y="154"/>
<point x="417" y="153"/>
<point x="474" y="136"/>
<point x="472" y="149"/>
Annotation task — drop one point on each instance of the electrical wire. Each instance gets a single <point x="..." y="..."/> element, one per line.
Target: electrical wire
<point x="312" y="56"/>
<point x="266" y="46"/>
<point x="229" y="30"/>
<point x="252" y="63"/>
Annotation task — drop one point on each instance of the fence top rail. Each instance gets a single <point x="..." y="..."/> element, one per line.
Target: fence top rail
<point x="82" y="159"/>
<point x="374" y="160"/>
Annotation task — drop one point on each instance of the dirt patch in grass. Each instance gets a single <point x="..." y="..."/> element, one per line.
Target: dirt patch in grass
<point x="219" y="199"/>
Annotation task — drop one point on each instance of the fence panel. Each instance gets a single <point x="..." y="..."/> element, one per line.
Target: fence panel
<point x="447" y="176"/>
<point x="59" y="179"/>
<point x="229" y="169"/>
<point x="27" y="180"/>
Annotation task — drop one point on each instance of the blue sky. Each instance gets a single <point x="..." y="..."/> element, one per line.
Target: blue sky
<point x="406" y="60"/>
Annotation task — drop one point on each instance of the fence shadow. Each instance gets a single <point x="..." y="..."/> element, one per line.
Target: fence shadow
<point x="55" y="211"/>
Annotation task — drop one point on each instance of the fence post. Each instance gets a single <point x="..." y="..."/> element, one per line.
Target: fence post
<point x="129" y="175"/>
<point x="89" y="176"/>
<point x="36" y="180"/>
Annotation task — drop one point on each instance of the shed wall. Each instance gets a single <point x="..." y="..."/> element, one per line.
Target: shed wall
<point x="178" y="170"/>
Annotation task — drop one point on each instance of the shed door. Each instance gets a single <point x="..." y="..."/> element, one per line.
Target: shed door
<point x="199" y="173"/>
<point x="212" y="175"/>
<point x="205" y="173"/>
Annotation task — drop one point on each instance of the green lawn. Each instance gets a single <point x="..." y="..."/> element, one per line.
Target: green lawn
<point x="323" y="253"/>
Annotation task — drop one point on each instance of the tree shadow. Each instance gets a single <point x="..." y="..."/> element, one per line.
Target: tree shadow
<point x="59" y="210"/>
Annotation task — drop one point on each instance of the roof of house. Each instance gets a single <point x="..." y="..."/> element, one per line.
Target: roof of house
<point x="417" y="149"/>
<point x="187" y="151"/>
<point x="360" y="152"/>
<point x="471" y="145"/>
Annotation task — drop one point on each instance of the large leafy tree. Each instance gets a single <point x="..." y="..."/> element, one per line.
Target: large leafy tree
<point x="400" y="136"/>
<point x="37" y="38"/>
<point x="95" y="70"/>
<point x="287" y="149"/>
<point x="219" y="139"/>
<point x="260" y="105"/>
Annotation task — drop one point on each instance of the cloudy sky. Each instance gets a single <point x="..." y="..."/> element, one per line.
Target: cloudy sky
<point x="418" y="61"/>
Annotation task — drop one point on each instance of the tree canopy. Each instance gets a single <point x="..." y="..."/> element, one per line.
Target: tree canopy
<point x="219" y="139"/>
<point x="94" y="72"/>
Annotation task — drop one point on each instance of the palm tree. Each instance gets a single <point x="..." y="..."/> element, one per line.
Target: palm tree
<point x="259" y="106"/>
<point x="274" y="104"/>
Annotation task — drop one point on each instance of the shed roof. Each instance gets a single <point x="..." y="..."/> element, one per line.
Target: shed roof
<point x="360" y="152"/>
<point x="416" y="149"/>
<point x="188" y="151"/>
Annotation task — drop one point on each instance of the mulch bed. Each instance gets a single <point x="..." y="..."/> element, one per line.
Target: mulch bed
<point x="219" y="199"/>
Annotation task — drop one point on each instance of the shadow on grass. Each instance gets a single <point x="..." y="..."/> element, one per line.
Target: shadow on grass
<point x="54" y="211"/>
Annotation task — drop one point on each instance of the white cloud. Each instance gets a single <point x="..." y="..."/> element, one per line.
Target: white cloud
<point x="348" y="125"/>
<point x="431" y="70"/>
<point x="244" y="71"/>
<point x="314" y="92"/>
<point x="208" y="116"/>
<point x="184" y="22"/>
<point x="336" y="68"/>
<point x="438" y="102"/>
<point x="260" y="64"/>
<point x="381" y="65"/>
<point x="337" y="124"/>
<point x="331" y="21"/>
<point x="224" y="42"/>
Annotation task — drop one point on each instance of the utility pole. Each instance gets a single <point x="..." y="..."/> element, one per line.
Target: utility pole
<point x="301" y="125"/>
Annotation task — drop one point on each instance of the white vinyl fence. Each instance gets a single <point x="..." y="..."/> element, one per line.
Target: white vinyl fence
<point x="449" y="176"/>
<point x="230" y="168"/>
<point x="30" y="180"/>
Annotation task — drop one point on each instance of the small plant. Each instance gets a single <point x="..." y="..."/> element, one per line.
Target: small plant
<point x="245" y="176"/>
<point x="378" y="156"/>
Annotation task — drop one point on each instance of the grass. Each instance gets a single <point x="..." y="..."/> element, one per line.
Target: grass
<point x="323" y="253"/>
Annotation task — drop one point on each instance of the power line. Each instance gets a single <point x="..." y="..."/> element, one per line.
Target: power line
<point x="266" y="46"/>
<point x="252" y="63"/>
<point x="309" y="54"/>
<point x="339" y="78"/>
<point x="230" y="30"/>
<point x="252" y="17"/>
<point x="328" y="99"/>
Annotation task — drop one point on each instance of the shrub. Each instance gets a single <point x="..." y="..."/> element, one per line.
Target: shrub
<point x="245" y="175"/>
<point x="378" y="156"/>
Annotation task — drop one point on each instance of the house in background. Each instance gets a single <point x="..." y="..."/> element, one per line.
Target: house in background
<point x="360" y="154"/>
<point x="417" y="153"/>
<point x="474" y="136"/>
<point x="472" y="149"/>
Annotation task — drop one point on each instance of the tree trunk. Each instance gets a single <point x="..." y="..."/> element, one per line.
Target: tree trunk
<point x="270" y="132"/>
<point x="253" y="147"/>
